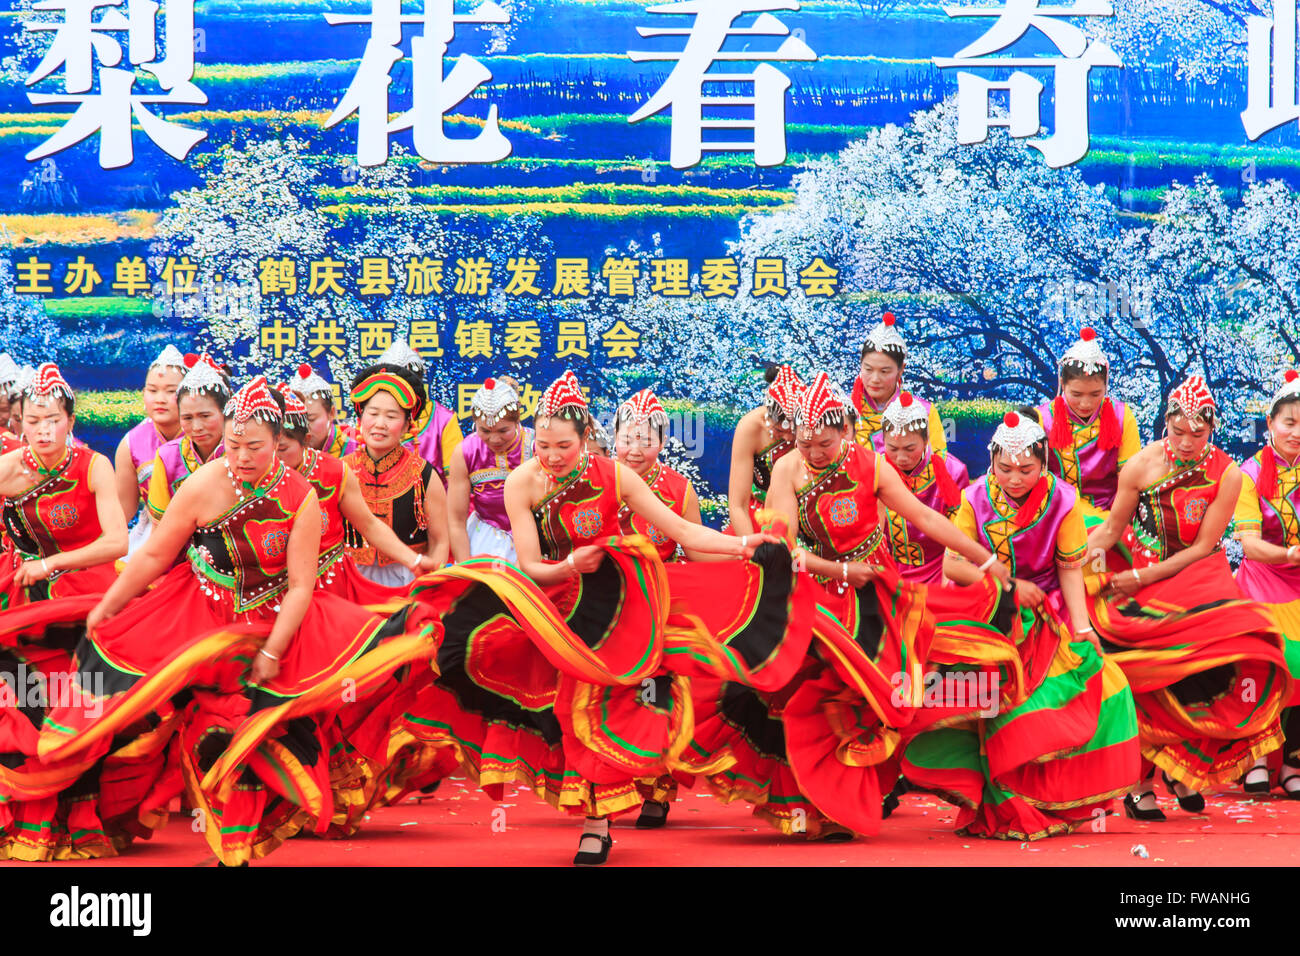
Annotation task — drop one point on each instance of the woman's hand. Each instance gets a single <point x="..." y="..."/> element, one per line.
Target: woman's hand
<point x="1030" y="594"/>
<point x="859" y="574"/>
<point x="428" y="563"/>
<point x="1126" y="583"/>
<point x="1293" y="554"/>
<point x="585" y="559"/>
<point x="97" y="616"/>
<point x="264" y="669"/>
<point x="749" y="543"/>
<point x="1002" y="574"/>
<point x="32" y="572"/>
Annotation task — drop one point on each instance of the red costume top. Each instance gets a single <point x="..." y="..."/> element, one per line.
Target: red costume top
<point x="671" y="488"/>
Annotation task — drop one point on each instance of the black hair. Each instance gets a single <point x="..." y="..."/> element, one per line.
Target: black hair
<point x="67" y="402"/>
<point x="413" y="379"/>
<point x="1281" y="403"/>
<point x="868" y="347"/>
<point x="576" y="415"/>
<point x="1072" y="372"/>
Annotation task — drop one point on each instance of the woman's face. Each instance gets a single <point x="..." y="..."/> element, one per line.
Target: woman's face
<point x="1017" y="476"/>
<point x="290" y="450"/>
<point x="382" y="422"/>
<point x="201" y="420"/>
<point x="558" y="445"/>
<point x="779" y="425"/>
<point x="1187" y="438"/>
<point x="881" y="375"/>
<point x="46" y="426"/>
<point x="1284" y="427"/>
<point x="1084" y="396"/>
<point x="4" y="409"/>
<point x="160" y="396"/>
<point x="905" y="450"/>
<point x="499" y="437"/>
<point x="319" y="419"/>
<point x="638" y="446"/>
<point x="251" y="454"/>
<point x="819" y="448"/>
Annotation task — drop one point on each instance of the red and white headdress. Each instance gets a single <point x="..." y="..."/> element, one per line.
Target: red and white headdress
<point x="644" y="406"/>
<point x="311" y="385"/>
<point x="170" y="357"/>
<point x="204" y="375"/>
<point x="885" y="338"/>
<point x="564" y="392"/>
<point x="819" y="405"/>
<point x="1288" y="390"/>
<point x="254" y="400"/>
<point x="295" y="412"/>
<point x="1191" y="399"/>
<point x="493" y="401"/>
<point x="782" y="394"/>
<point x="1086" y="354"/>
<point x="1016" y="435"/>
<point x="47" y="382"/>
<point x="906" y="414"/>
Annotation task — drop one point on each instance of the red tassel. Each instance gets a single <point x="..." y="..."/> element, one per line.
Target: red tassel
<point x="1062" y="436"/>
<point x="1267" y="484"/>
<point x="1112" y="430"/>
<point x="947" y="487"/>
<point x="858" y="393"/>
<point x="1029" y="510"/>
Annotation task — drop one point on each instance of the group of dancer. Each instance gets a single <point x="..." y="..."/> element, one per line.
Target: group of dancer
<point x="284" y="621"/>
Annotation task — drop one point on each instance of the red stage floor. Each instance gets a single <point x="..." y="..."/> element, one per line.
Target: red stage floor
<point x="461" y="827"/>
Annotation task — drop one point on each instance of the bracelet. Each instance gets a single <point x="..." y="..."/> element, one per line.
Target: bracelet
<point x="743" y="538"/>
<point x="265" y="653"/>
<point x="993" y="559"/>
<point x="45" y="567"/>
<point x="1137" y="579"/>
<point x="845" y="566"/>
<point x="1085" y="630"/>
<point x="573" y="565"/>
<point x="415" y="565"/>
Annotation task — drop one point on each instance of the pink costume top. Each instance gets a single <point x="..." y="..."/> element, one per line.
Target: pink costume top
<point x="1093" y="470"/>
<point x="143" y="442"/>
<point x="1275" y="519"/>
<point x="488" y="472"/>
<point x="920" y="558"/>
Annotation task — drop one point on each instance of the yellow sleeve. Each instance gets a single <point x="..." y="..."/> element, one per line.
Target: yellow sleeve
<point x="450" y="440"/>
<point x="1072" y="539"/>
<point x="160" y="490"/>
<point x="964" y="519"/>
<point x="938" y="442"/>
<point x="1130" y="442"/>
<point x="1247" y="520"/>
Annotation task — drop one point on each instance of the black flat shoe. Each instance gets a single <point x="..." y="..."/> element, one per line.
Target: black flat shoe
<point x="1195" y="803"/>
<point x="1256" y="786"/>
<point x="594" y="859"/>
<point x="1134" y="812"/>
<point x="890" y="803"/>
<point x="1290" y="785"/>
<point x="652" y="821"/>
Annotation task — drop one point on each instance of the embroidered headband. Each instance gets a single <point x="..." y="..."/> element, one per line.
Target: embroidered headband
<point x="885" y="338"/>
<point x="254" y="400"/>
<point x="493" y="401"/>
<point x="1016" y="435"/>
<point x="1086" y="354"/>
<point x="389" y="382"/>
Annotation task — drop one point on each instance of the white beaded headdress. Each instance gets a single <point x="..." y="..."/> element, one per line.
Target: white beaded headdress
<point x="1016" y="435"/>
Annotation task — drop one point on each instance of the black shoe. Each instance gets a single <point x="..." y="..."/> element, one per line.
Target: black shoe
<point x="1290" y="785"/>
<point x="652" y="821"/>
<point x="837" y="836"/>
<point x="1195" y="803"/>
<point x="890" y="803"/>
<point x="593" y="859"/>
<point x="219" y="863"/>
<point x="1256" y="786"/>
<point x="1134" y="812"/>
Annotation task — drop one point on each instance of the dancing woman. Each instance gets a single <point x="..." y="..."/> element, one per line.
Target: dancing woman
<point x="1053" y="737"/>
<point x="432" y="432"/>
<point x="935" y="478"/>
<point x="136" y="451"/>
<point x="1267" y="523"/>
<point x="1092" y="435"/>
<point x="879" y="382"/>
<point x="762" y="437"/>
<point x="324" y="434"/>
<point x="1193" y="667"/>
<point x="200" y="400"/>
<point x="476" y="480"/>
<point x="65" y="524"/>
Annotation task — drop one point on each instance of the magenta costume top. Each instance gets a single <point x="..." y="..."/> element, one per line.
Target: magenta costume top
<point x="1029" y="552"/>
<point x="1097" y="473"/>
<point x="143" y="442"/>
<point x="428" y="443"/>
<point x="920" y="558"/>
<point x="1280" y="525"/>
<point x="488" y="472"/>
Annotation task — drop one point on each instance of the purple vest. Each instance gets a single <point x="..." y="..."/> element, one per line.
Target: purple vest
<point x="487" y="475"/>
<point x="175" y="466"/>
<point x="1029" y="552"/>
<point x="1272" y="583"/>
<point x="1094" y="472"/>
<point x="143" y="442"/>
<point x="919" y="557"/>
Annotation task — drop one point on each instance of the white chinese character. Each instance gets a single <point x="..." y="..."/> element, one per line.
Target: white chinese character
<point x="432" y="94"/>
<point x="683" y="90"/>
<point x="1269" y="106"/>
<point x="1069" y="140"/>
<point x="80" y="40"/>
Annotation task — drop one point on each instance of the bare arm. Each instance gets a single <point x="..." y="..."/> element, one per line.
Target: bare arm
<point x="740" y="483"/>
<point x="111" y="543"/>
<point x="458" y="489"/>
<point x="301" y="555"/>
<point x="377" y="534"/>
<point x="127" y="488"/>
<point x="435" y="514"/>
<point x="528" y="549"/>
<point x="1121" y="511"/>
<point x="692" y="515"/>
<point x="1265" y="552"/>
<point x="1075" y="593"/>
